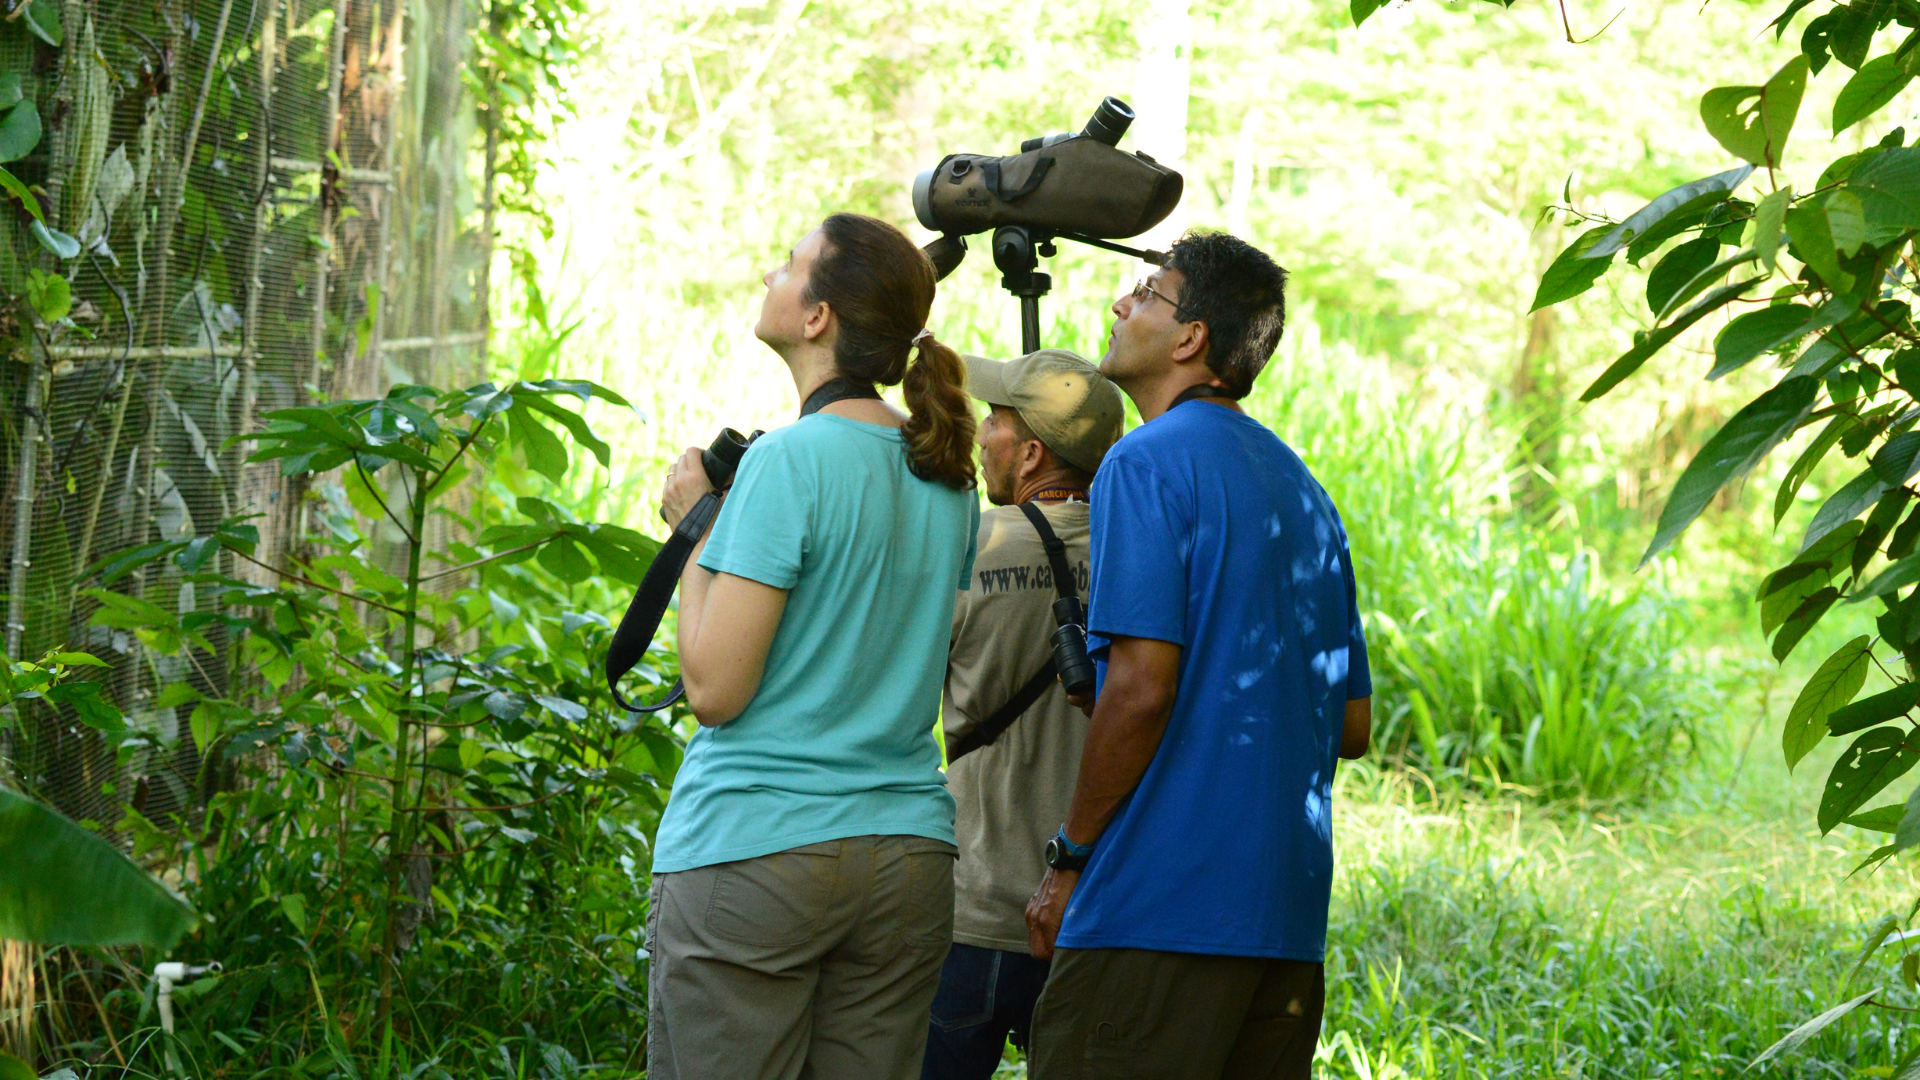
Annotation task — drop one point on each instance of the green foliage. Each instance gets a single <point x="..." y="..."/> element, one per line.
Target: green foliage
<point x="1843" y="324"/>
<point x="432" y="832"/>
<point x="66" y="886"/>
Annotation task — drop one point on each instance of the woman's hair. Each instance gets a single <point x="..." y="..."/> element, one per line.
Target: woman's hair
<point x="880" y="288"/>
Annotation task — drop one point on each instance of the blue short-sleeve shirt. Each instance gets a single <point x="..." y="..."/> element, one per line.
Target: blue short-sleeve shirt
<point x="1209" y="532"/>
<point x="839" y="739"/>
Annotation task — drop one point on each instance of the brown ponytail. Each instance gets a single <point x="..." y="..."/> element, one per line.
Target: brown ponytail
<point x="939" y="429"/>
<point x="880" y="289"/>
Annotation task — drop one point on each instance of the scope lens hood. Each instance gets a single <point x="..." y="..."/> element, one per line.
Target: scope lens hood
<point x="923" y="197"/>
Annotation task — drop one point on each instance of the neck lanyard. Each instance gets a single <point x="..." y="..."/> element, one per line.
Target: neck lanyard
<point x="1200" y="390"/>
<point x="1064" y="494"/>
<point x="839" y="389"/>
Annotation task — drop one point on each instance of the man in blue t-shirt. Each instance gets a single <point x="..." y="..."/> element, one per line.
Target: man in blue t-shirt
<point x="1186" y="902"/>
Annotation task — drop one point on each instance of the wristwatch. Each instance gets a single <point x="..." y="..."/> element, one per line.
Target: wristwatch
<point x="1064" y="854"/>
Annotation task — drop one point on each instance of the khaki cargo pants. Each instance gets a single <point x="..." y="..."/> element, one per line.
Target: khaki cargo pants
<point x="820" y="962"/>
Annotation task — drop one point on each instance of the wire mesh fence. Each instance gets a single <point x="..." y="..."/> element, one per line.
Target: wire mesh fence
<point x="274" y="201"/>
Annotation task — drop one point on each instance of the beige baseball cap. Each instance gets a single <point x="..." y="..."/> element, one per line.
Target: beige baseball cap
<point x="1072" y="408"/>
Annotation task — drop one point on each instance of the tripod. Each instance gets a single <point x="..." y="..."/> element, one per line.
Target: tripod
<point x="1017" y="251"/>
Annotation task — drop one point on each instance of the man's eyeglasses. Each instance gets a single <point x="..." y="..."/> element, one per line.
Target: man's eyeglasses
<point x="1142" y="290"/>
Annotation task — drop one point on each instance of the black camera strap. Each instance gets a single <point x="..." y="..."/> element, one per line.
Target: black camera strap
<point x="1200" y="390"/>
<point x="649" y="605"/>
<point x="1023" y="699"/>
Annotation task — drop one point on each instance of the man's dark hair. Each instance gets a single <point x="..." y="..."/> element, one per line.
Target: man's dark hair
<point x="1240" y="293"/>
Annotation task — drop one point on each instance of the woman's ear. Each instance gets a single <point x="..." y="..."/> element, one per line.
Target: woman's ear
<point x="819" y="319"/>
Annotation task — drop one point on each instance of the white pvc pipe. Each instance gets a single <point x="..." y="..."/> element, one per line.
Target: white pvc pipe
<point x="167" y="975"/>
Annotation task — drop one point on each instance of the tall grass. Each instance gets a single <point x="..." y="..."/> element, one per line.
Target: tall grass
<point x="1502" y="654"/>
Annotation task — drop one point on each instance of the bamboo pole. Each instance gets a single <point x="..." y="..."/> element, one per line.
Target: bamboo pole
<point x="24" y="489"/>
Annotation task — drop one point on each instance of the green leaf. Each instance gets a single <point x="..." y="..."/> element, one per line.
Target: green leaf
<point x="1804" y="465"/>
<point x="472" y="753"/>
<point x="1769" y="218"/>
<point x="1703" y="278"/>
<point x="1572" y="272"/>
<point x="1362" y="9"/>
<point x="1798" y="1036"/>
<point x="1852" y="33"/>
<point x="575" y="424"/>
<point x="1844" y="505"/>
<point x="566" y="560"/>
<point x="294" y="907"/>
<point x="89" y="706"/>
<point x="62" y="245"/>
<point x="1875" y="938"/>
<point x="1813" y="242"/>
<point x="1888" y="185"/>
<point x="78" y="659"/>
<point x="12" y="1068"/>
<point x="1677" y="268"/>
<point x="48" y="295"/>
<point x="43" y="18"/>
<point x="1684" y="199"/>
<point x="1877" y="82"/>
<point x="19" y="132"/>
<point x="1648" y="342"/>
<point x="1908" y="834"/>
<point x="1841" y="677"/>
<point x="561" y="707"/>
<point x="1884" y="819"/>
<point x="1846" y="221"/>
<point x="208" y="723"/>
<point x="1877" y="758"/>
<point x="1874" y="709"/>
<point x="506" y="705"/>
<point x="1752" y="122"/>
<point x="1898" y="575"/>
<point x="10" y="94"/>
<point x="66" y="886"/>
<point x="546" y="454"/>
<point x="1733" y="450"/>
<point x="176" y="694"/>
<point x="1804" y="618"/>
<point x="12" y="186"/>
<point x="1756" y="332"/>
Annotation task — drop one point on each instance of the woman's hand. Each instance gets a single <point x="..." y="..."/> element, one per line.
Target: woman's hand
<point x="686" y="483"/>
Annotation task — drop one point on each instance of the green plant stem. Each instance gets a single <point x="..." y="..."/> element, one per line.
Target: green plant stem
<point x="401" y="824"/>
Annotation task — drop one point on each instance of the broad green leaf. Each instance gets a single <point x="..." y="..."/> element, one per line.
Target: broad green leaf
<point x="1899" y="575"/>
<point x="471" y="753"/>
<point x="1756" y="332"/>
<point x="1684" y="199"/>
<point x="294" y="907"/>
<point x="1875" y="938"/>
<point x="1804" y="618"/>
<point x="1733" y="450"/>
<point x="1893" y="462"/>
<point x="78" y="659"/>
<point x="1803" y="466"/>
<point x="566" y="710"/>
<point x="546" y="454"/>
<point x="1813" y="242"/>
<point x="584" y="389"/>
<point x="506" y="705"/>
<point x="1703" y="278"/>
<point x="1787" y="588"/>
<point x="1677" y="268"/>
<point x="12" y="1068"/>
<point x="575" y="424"/>
<point x="1852" y="33"/>
<point x="1850" y="337"/>
<point x="1769" y="218"/>
<point x="66" y="886"/>
<point x="10" y="94"/>
<point x="1752" y="122"/>
<point x="1572" y="273"/>
<point x="566" y="560"/>
<point x="1839" y="678"/>
<point x="1888" y="185"/>
<point x="1884" y="819"/>
<point x="19" y="132"/>
<point x="12" y="185"/>
<point x="208" y="722"/>
<point x="1808" y="1030"/>
<point x="48" y="295"/>
<point x="43" y="19"/>
<point x="1877" y="758"/>
<point x="62" y="245"/>
<point x="1648" y="342"/>
<point x="1874" y="709"/>
<point x="1908" y="834"/>
<point x="1362" y="9"/>
<point x="1846" y="221"/>
<point x="1844" y="505"/>
<point x="1877" y="82"/>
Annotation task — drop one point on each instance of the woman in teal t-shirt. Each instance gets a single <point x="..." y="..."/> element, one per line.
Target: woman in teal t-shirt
<point x="802" y="896"/>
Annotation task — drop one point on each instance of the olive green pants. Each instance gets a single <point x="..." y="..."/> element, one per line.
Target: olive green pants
<point x="818" y="963"/>
<point x="1136" y="1014"/>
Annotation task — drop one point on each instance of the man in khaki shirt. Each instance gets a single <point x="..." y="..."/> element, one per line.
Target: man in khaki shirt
<point x="1053" y="417"/>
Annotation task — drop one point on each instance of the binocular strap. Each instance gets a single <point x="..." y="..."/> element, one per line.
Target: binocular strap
<point x="996" y="725"/>
<point x="649" y="605"/>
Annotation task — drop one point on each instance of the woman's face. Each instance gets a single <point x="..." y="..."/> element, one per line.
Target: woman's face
<point x="786" y="319"/>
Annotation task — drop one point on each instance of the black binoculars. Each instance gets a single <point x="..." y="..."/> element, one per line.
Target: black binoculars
<point x="1070" y="657"/>
<point x="722" y="459"/>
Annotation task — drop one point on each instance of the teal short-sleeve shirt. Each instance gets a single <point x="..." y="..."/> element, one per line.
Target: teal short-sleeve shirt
<point x="839" y="739"/>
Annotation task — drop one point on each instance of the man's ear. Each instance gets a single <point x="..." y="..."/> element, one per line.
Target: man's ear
<point x="1193" y="343"/>
<point x="1033" y="457"/>
<point x="819" y="317"/>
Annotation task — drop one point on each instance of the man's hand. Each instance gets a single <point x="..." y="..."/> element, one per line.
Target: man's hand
<point x="1047" y="908"/>
<point x="1083" y="702"/>
<point x="686" y="483"/>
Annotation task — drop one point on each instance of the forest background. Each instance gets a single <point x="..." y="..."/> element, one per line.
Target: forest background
<point x="1571" y="852"/>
